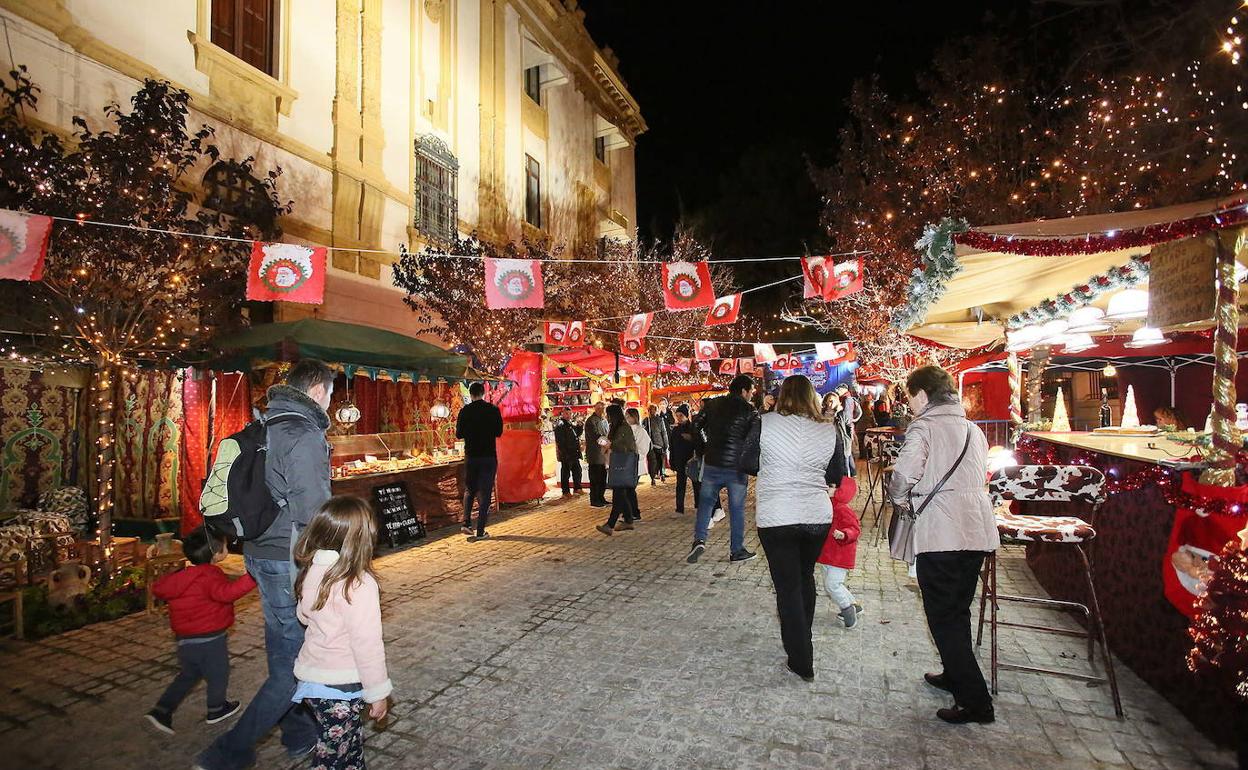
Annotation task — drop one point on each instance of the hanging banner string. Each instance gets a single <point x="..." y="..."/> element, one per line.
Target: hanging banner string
<point x="665" y="310"/>
<point x="717" y="342"/>
<point x="437" y="255"/>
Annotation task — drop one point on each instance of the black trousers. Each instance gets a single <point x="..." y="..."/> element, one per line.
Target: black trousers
<point x="656" y="462"/>
<point x="682" y="479"/>
<point x="209" y="661"/>
<point x="479" y="485"/>
<point x="570" y="471"/>
<point x="791" y="554"/>
<point x="597" y="484"/>
<point x="947" y="580"/>
<point x="623" y="501"/>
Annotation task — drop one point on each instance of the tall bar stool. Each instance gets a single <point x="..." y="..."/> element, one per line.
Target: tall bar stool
<point x="1048" y="483"/>
<point x="882" y="454"/>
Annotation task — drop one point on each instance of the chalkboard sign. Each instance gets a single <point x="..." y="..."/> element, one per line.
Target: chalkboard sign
<point x="1181" y="282"/>
<point x="399" y="522"/>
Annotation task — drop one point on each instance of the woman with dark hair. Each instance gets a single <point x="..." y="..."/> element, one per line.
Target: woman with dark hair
<point x="939" y="474"/>
<point x="621" y="442"/>
<point x="799" y="459"/>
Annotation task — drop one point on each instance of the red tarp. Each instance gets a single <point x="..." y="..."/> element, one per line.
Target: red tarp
<point x="523" y="403"/>
<point x="520" y="476"/>
<point x="595" y="359"/>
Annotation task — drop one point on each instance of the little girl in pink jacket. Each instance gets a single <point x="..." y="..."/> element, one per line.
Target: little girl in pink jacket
<point x="342" y="664"/>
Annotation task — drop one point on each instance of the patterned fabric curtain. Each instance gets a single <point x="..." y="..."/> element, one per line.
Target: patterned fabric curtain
<point x="148" y="426"/>
<point x="192" y="469"/>
<point x="39" y="435"/>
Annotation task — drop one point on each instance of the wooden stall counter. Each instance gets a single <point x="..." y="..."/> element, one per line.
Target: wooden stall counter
<point x="1141" y="448"/>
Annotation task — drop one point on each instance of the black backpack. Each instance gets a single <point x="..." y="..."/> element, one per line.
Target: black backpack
<point x="235" y="501"/>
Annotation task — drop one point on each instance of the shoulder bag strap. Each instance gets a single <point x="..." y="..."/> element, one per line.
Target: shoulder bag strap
<point x="965" y="445"/>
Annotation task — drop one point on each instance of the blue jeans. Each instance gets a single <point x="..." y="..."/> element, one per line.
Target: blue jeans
<point x="272" y="704"/>
<point x="714" y="479"/>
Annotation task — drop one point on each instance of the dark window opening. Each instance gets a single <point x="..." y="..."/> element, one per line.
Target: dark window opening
<point x="437" y="194"/>
<point x="234" y="192"/>
<point x="600" y="148"/>
<point x="248" y="30"/>
<point x="532" y="192"/>
<point x="533" y="83"/>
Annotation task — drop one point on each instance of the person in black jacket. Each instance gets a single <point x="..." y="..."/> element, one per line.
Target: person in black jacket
<point x="731" y="427"/>
<point x="479" y="424"/>
<point x="686" y="458"/>
<point x="568" y="453"/>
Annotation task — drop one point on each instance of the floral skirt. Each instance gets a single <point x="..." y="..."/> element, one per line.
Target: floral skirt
<point x="341" y="745"/>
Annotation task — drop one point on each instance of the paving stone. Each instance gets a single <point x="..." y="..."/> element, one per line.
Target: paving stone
<point x="551" y="646"/>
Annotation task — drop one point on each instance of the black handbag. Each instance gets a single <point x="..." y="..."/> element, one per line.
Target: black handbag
<point x="901" y="525"/>
<point x="622" y="470"/>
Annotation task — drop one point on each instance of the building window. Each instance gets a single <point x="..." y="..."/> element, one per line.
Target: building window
<point x="600" y="148"/>
<point x="230" y="190"/>
<point x="532" y="192"/>
<point x="247" y="29"/>
<point x="437" y="202"/>
<point x="533" y="83"/>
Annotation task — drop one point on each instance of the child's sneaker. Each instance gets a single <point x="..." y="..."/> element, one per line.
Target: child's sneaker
<point x="849" y="616"/>
<point x="223" y="712"/>
<point x="161" y="721"/>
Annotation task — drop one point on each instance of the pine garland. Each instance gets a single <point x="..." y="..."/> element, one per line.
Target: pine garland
<point x="927" y="283"/>
<point x="1121" y="277"/>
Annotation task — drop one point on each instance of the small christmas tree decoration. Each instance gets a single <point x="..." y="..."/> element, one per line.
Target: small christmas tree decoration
<point x="1061" y="423"/>
<point x="1129" y="417"/>
<point x="1221" y="622"/>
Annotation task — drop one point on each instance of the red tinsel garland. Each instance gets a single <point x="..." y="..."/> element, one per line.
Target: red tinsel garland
<point x="1042" y="453"/>
<point x="1139" y="237"/>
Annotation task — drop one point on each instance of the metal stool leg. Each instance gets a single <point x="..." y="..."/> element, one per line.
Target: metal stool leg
<point x="983" y="597"/>
<point x="1100" y="631"/>
<point x="992" y="577"/>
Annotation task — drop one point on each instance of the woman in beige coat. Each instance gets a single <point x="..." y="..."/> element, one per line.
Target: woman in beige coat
<point x="953" y="534"/>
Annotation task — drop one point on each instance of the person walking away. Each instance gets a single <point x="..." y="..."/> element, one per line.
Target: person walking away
<point x="201" y="610"/>
<point x="656" y="427"/>
<point x="642" y="438"/>
<point x="953" y="534"/>
<point x="865" y="421"/>
<point x="797" y="464"/>
<point x="342" y="664"/>
<point x="840" y="550"/>
<point x="729" y="423"/>
<point x="596" y="455"/>
<point x="620" y="442"/>
<point x="568" y="453"/>
<point x="297" y="474"/>
<point x="479" y="424"/>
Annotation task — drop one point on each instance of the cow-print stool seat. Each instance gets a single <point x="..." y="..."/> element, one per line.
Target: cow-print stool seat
<point x="1042" y="529"/>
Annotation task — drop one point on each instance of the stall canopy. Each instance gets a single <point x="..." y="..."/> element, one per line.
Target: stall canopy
<point x="341" y="343"/>
<point x="994" y="285"/>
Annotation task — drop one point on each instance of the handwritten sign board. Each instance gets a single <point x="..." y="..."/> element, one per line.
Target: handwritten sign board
<point x="399" y="522"/>
<point x="1181" y="285"/>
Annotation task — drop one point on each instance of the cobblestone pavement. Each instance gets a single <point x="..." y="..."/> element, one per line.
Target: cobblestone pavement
<point x="551" y="646"/>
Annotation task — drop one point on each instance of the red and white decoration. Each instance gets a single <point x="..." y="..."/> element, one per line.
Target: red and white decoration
<point x="814" y="276"/>
<point x="286" y="272"/>
<point x="687" y="285"/>
<point x="785" y="364"/>
<point x="23" y="245"/>
<point x="513" y="283"/>
<point x="638" y="325"/>
<point x="633" y="346"/>
<point x="846" y="279"/>
<point x="569" y="334"/>
<point x="745" y="365"/>
<point x="725" y="310"/>
<point x="684" y="364"/>
<point x="728" y="366"/>
<point x="704" y="366"/>
<point x="835" y="352"/>
<point x="764" y="353"/>
<point x="705" y="350"/>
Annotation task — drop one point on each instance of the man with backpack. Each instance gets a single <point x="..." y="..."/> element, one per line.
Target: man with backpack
<point x="296" y="472"/>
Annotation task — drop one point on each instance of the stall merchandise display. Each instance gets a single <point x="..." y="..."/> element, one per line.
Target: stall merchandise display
<point x="375" y="454"/>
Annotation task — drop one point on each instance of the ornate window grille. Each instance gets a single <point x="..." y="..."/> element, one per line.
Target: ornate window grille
<point x="234" y="192"/>
<point x="437" y="182"/>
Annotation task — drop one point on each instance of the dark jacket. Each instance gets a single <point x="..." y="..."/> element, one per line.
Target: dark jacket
<point x="567" y="441"/>
<point x="201" y="598"/>
<point x="595" y="428"/>
<point x="686" y="441"/>
<point x="624" y="440"/>
<point x="296" y="471"/>
<point x="657" y="428"/>
<point x="479" y="424"/>
<point x="731" y="425"/>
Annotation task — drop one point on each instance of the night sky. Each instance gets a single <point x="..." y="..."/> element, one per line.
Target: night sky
<point x="737" y="95"/>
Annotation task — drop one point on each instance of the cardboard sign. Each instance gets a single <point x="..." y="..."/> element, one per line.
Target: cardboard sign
<point x="399" y="522"/>
<point x="1181" y="286"/>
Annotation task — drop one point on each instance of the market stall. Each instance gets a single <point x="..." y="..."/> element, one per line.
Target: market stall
<point x="392" y="418"/>
<point x="1111" y="302"/>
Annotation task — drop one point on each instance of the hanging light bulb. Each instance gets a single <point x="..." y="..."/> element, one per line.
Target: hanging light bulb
<point x="1109" y="371"/>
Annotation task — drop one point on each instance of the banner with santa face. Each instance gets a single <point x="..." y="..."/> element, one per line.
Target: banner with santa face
<point x="23" y="245"/>
<point x="784" y="364"/>
<point x="764" y="353"/>
<point x="728" y="366"/>
<point x="569" y="334"/>
<point x="638" y="325"/>
<point x="1196" y="537"/>
<point x="814" y="276"/>
<point x="286" y="272"/>
<point x="705" y="350"/>
<point x="633" y="346"/>
<point x="724" y="310"/>
<point x="846" y="279"/>
<point x="513" y="283"/>
<point x="745" y="365"/>
<point x="687" y="285"/>
<point x="835" y="352"/>
<point x="684" y="364"/>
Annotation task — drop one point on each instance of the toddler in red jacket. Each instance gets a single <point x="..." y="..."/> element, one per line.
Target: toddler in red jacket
<point x="839" y="551"/>
<point x="201" y="609"/>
